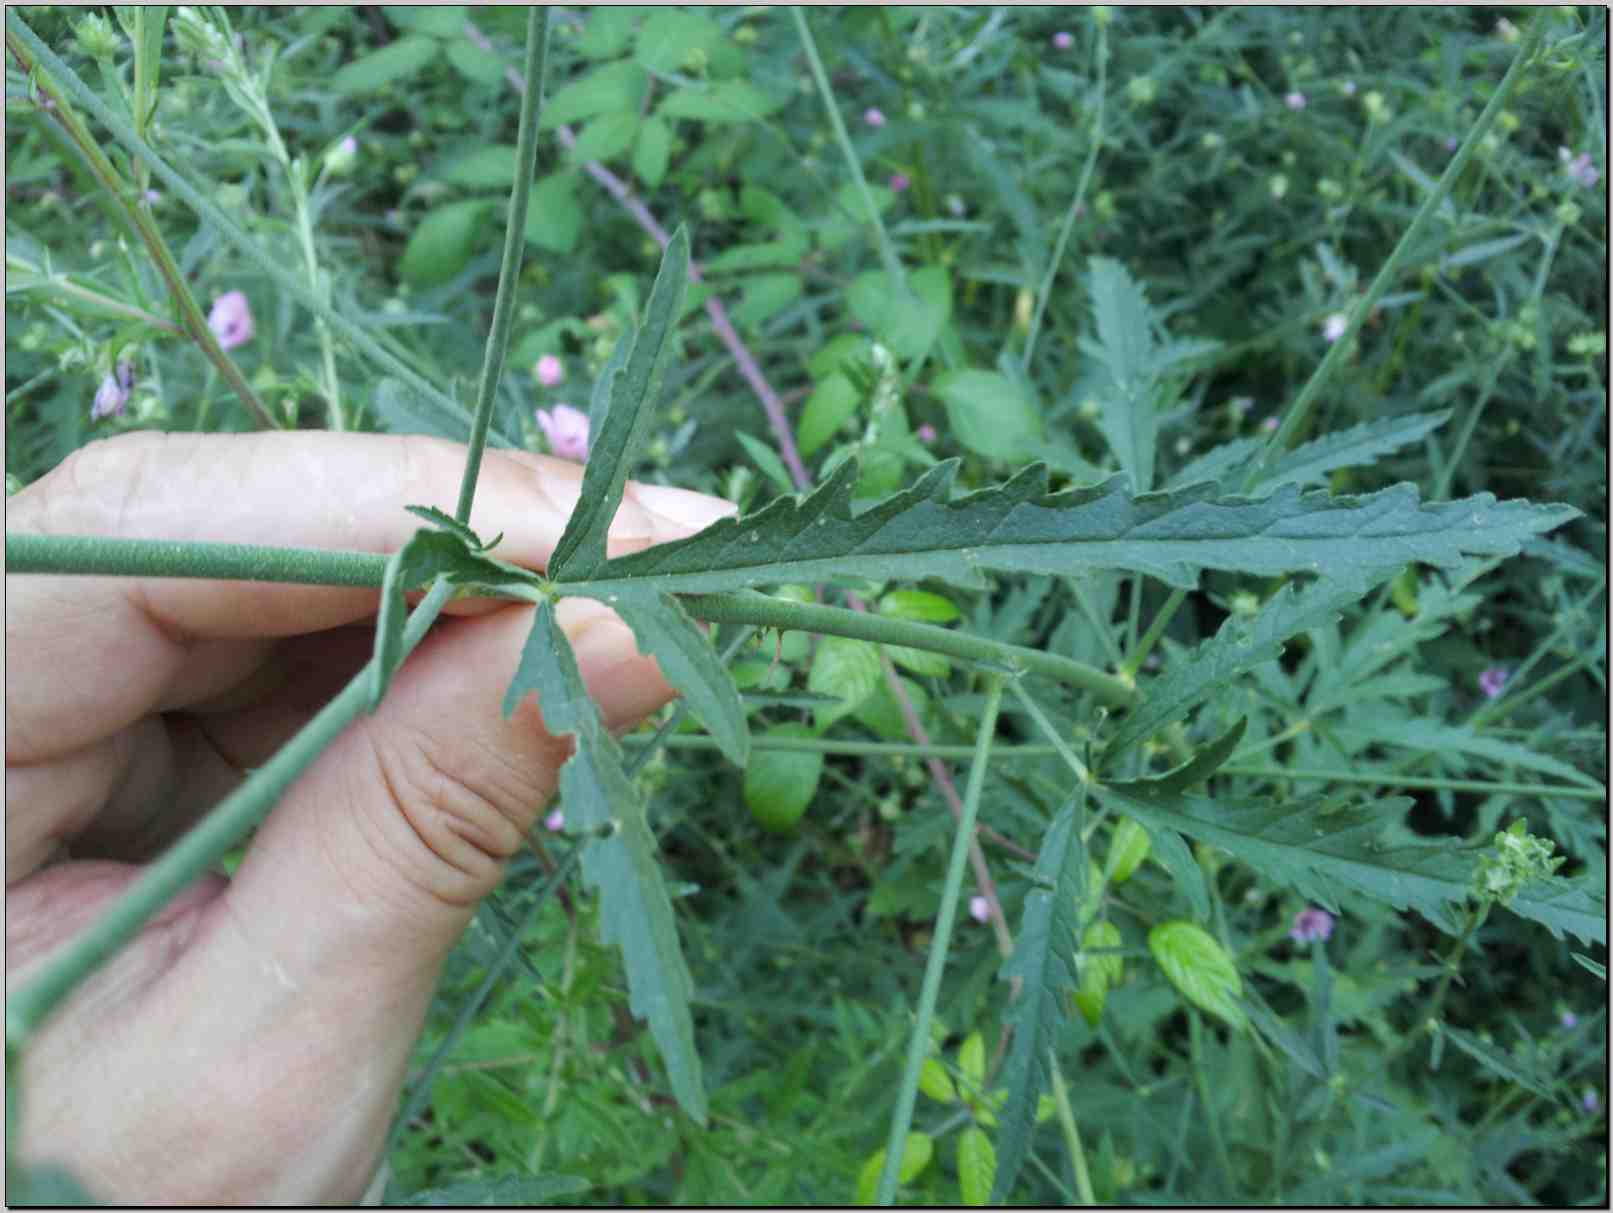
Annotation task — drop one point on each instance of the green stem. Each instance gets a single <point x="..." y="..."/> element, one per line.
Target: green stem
<point x="919" y="1045"/>
<point x="202" y="847"/>
<point x="1389" y="779"/>
<point x="850" y="749"/>
<point x="124" y="194"/>
<point x="498" y="340"/>
<point x="1046" y="291"/>
<point x="1201" y="1078"/>
<point x="1052" y="734"/>
<point x="222" y="223"/>
<point x="764" y="611"/>
<point x="887" y="251"/>
<point x="1072" y="1133"/>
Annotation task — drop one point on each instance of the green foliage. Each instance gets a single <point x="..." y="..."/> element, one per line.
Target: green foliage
<point x="1306" y="628"/>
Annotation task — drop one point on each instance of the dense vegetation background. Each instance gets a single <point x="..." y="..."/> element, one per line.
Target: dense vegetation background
<point x="1230" y="180"/>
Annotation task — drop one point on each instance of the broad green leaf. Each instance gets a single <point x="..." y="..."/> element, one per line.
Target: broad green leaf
<point x="1127" y="849"/>
<point x="635" y="911"/>
<point x="780" y="784"/>
<point x="554" y="216"/>
<point x="1200" y="969"/>
<point x="606" y="32"/>
<point x="767" y="459"/>
<point x="920" y="661"/>
<point x="1100" y="937"/>
<point x="687" y="660"/>
<point x="621" y="428"/>
<point x="616" y="88"/>
<point x="1020" y="527"/>
<point x="427" y="555"/>
<point x="443" y="20"/>
<point x="849" y="214"/>
<point x="911" y="325"/>
<point x="378" y="69"/>
<point x="831" y="403"/>
<point x="724" y="101"/>
<point x="1044" y="960"/>
<point x="765" y="295"/>
<point x="486" y="167"/>
<point x="1172" y="854"/>
<point x="935" y="1082"/>
<point x="977" y="1166"/>
<point x="846" y="669"/>
<point x="882" y="714"/>
<point x="916" y="1154"/>
<point x="473" y="63"/>
<point x="605" y="136"/>
<point x="442" y="244"/>
<point x="920" y="605"/>
<point x="653" y="151"/>
<point x="1198" y="768"/>
<point x="669" y="36"/>
<point x="989" y="414"/>
<point x="972" y="1063"/>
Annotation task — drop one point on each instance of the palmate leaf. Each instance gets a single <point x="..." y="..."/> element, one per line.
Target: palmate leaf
<point x="1326" y="853"/>
<point x="1044" y="959"/>
<point x="1021" y="527"/>
<point x="635" y="911"/>
<point x="620" y="428"/>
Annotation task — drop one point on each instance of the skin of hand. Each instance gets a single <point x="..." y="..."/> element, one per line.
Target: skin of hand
<point x="249" y="1045"/>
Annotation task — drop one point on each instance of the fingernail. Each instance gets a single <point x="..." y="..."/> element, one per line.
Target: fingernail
<point x="675" y="513"/>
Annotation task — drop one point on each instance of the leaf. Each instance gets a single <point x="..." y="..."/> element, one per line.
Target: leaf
<point x="919" y="605"/>
<point x="615" y="88"/>
<point x="669" y="36"/>
<point x="606" y="136"/>
<point x="780" y="784"/>
<point x="1502" y="1065"/>
<point x="664" y="631"/>
<point x="1358" y="446"/>
<point x="847" y="669"/>
<point x="473" y="63"/>
<point x="401" y="410"/>
<point x="428" y="555"/>
<point x="724" y="101"/>
<point x="378" y="69"/>
<point x="1198" y="768"/>
<point x="977" y="1166"/>
<point x="831" y="403"/>
<point x="1391" y="726"/>
<point x="504" y="1191"/>
<point x="767" y="459"/>
<point x="447" y="522"/>
<point x="916" y="1154"/>
<point x="1020" y="527"/>
<point x="1124" y="353"/>
<point x="635" y="911"/>
<point x="1200" y="969"/>
<point x="989" y="414"/>
<point x="1173" y="855"/>
<point x="909" y="326"/>
<point x="621" y="428"/>
<point x="1044" y="961"/>
<point x="653" y="151"/>
<point x="972" y="1063"/>
<point x="490" y="166"/>
<point x="935" y="1082"/>
<point x="1127" y="849"/>
<point x="442" y="244"/>
<point x="554" y="216"/>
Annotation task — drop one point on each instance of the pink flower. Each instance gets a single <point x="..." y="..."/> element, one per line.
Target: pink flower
<point x="1492" y="680"/>
<point x="1450" y="143"/>
<point x="1310" y="924"/>
<point x="231" y="320"/>
<point x="1334" y="326"/>
<point x="549" y="370"/>
<point x="1063" y="40"/>
<point x="1269" y="424"/>
<point x="1295" y="101"/>
<point x="899" y="182"/>
<point x="873" y="117"/>
<point x="1589" y="1102"/>
<point x="926" y="433"/>
<point x="113" y="393"/>
<point x="555" y="822"/>
<point x="979" y="908"/>
<point x="1568" y="1019"/>
<point x="566" y="429"/>
<point x="1583" y="171"/>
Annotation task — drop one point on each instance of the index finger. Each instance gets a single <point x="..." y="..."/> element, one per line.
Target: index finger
<point x="91" y="655"/>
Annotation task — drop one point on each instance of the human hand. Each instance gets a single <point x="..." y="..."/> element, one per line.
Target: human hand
<point x="249" y="1045"/>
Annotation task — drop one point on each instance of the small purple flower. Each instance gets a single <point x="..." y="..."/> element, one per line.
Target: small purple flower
<point x="1333" y="327"/>
<point x="1349" y="88"/>
<point x="231" y="320"/>
<point x="1568" y="1019"/>
<point x="1269" y="424"/>
<point x="566" y="429"/>
<point x="1063" y="40"/>
<point x="899" y="182"/>
<point x="1589" y="1101"/>
<point x="873" y="117"/>
<point x="549" y="370"/>
<point x="926" y="433"/>
<point x="1311" y="924"/>
<point x="1492" y="680"/>
<point x="113" y="393"/>
<point x="555" y="822"/>
<point x="979" y="908"/>
<point x="1451" y="144"/>
<point x="1583" y="171"/>
<point x="1295" y="100"/>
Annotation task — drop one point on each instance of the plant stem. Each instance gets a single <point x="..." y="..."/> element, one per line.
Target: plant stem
<point x="226" y="227"/>
<point x="887" y="251"/>
<point x="851" y="749"/>
<point x="919" y="1044"/>
<point x="1046" y="290"/>
<point x="498" y="339"/>
<point x="28" y="55"/>
<point x="202" y="847"/>
<point x="1059" y="744"/>
<point x="1391" y="780"/>
<point x="1072" y="1132"/>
